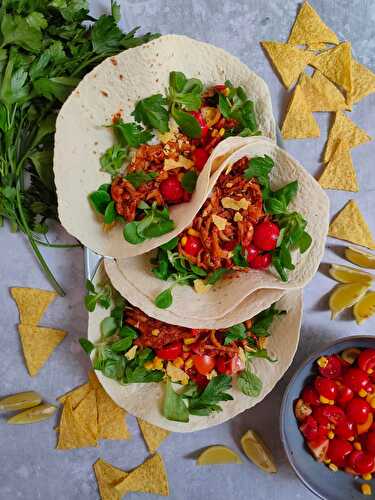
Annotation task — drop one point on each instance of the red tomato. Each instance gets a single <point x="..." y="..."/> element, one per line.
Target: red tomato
<point x="345" y="394"/>
<point x="204" y="128"/>
<point x="193" y="245"/>
<point x="329" y="414"/>
<point x="356" y="379"/>
<point x="229" y="366"/>
<point x="332" y="369"/>
<point x="251" y="253"/>
<point x="200" y="380"/>
<point x="370" y="442"/>
<point x="237" y="365"/>
<point x="338" y="450"/>
<point x="361" y="462"/>
<point x="220" y="88"/>
<point x="266" y="235"/>
<point x="366" y="360"/>
<point x="312" y="430"/>
<point x="200" y="157"/>
<point x="170" y="351"/>
<point x="204" y="364"/>
<point x="172" y="190"/>
<point x="326" y="387"/>
<point x="358" y="410"/>
<point x="261" y="261"/>
<point x="345" y="429"/>
<point x="310" y="396"/>
<point x="319" y="448"/>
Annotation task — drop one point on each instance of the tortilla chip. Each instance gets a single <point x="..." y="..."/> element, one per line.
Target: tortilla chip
<point x="339" y="172"/>
<point x="111" y="418"/>
<point x="76" y="395"/>
<point x="363" y="81"/>
<point x="38" y="343"/>
<point x="336" y="65"/>
<point x="308" y="29"/>
<point x="107" y="477"/>
<point x="347" y="131"/>
<point x="71" y="433"/>
<point x="299" y="122"/>
<point x="86" y="413"/>
<point x="152" y="434"/>
<point x="350" y="225"/>
<point x="150" y="477"/>
<point x="32" y="303"/>
<point x="93" y="380"/>
<point x="321" y="94"/>
<point x="288" y="60"/>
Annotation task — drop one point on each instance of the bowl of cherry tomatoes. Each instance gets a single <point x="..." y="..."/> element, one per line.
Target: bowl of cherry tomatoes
<point x="327" y="420"/>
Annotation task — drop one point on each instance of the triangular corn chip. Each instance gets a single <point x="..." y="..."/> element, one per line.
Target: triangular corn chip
<point x="363" y="81"/>
<point x="299" y="122"/>
<point x="321" y="94"/>
<point x="336" y="65"/>
<point x="107" y="477"/>
<point x="288" y="60"/>
<point x="339" y="172"/>
<point x="111" y="418"/>
<point x="150" y="477"/>
<point x="38" y="344"/>
<point x="347" y="131"/>
<point x="32" y="303"/>
<point x="76" y="395"/>
<point x="350" y="225"/>
<point x="86" y="413"/>
<point x="152" y="434"/>
<point x="71" y="433"/>
<point x="308" y="29"/>
<point x="93" y="380"/>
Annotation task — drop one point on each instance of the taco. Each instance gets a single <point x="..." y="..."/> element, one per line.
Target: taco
<point x="185" y="379"/>
<point x="262" y="226"/>
<point x="134" y="152"/>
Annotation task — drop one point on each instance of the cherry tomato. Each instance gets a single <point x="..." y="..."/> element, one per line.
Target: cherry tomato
<point x="329" y="414"/>
<point x="358" y="410"/>
<point x="172" y="190"/>
<point x="261" y="261"/>
<point x="361" y="462"/>
<point x="203" y="364"/>
<point x="345" y="394"/>
<point x="220" y="88"/>
<point x="332" y="369"/>
<point x="356" y="379"/>
<point x="370" y="442"/>
<point x="229" y="366"/>
<point x="204" y="128"/>
<point x="200" y="157"/>
<point x="200" y="380"/>
<point x="237" y="364"/>
<point x="312" y="430"/>
<point x="366" y="360"/>
<point x="170" y="351"/>
<point x="345" y="429"/>
<point x="251" y="253"/>
<point x="193" y="245"/>
<point x="266" y="235"/>
<point x="326" y="387"/>
<point x="338" y="450"/>
<point x="310" y="396"/>
<point x="319" y="448"/>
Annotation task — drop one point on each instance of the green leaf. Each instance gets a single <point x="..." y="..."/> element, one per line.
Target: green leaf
<point x="58" y="87"/>
<point x="164" y="299"/>
<point x="260" y="353"/>
<point x="239" y="256"/>
<point x="159" y="228"/>
<point x="198" y="270"/>
<point x="127" y="331"/>
<point x="89" y="286"/>
<point x="140" y="177"/>
<point x="108" y="326"/>
<point x="122" y="345"/>
<point x="131" y="134"/>
<point x="216" y="275"/>
<point x="262" y="321"/>
<point x="187" y="123"/>
<point x="189" y="181"/>
<point x="259" y="166"/>
<point x="177" y="80"/>
<point x="86" y="345"/>
<point x="106" y="36"/>
<point x="100" y="200"/>
<point x="152" y="113"/>
<point x="235" y="332"/>
<point x="170" y="245"/>
<point x="110" y="213"/>
<point x="16" y="30"/>
<point x="43" y="163"/>
<point x="116" y="11"/>
<point x="90" y="302"/>
<point x="206" y="402"/>
<point x="190" y="102"/>
<point x="249" y="383"/>
<point x="224" y="106"/>
<point x="304" y="242"/>
<point x="174" y="407"/>
<point x="113" y="159"/>
<point x="131" y="233"/>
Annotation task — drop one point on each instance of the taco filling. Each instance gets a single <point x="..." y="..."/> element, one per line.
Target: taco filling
<point x="242" y="225"/>
<point x="156" y="161"/>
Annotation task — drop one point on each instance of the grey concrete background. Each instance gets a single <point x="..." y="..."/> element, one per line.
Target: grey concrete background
<point x="30" y="467"/>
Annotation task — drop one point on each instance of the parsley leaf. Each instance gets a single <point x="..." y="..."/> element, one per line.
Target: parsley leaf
<point x="237" y="106"/>
<point x="140" y="177"/>
<point x="235" y="332"/>
<point x="189" y="181"/>
<point x="152" y="113"/>
<point x="187" y="123"/>
<point x="113" y="159"/>
<point x="239" y="256"/>
<point x="207" y="401"/>
<point x="155" y="222"/>
<point x="249" y="383"/>
<point x="131" y="134"/>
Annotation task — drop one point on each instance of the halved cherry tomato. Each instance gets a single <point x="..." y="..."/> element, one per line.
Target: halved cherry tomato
<point x="319" y="448"/>
<point x="312" y="430"/>
<point x="358" y="410"/>
<point x="332" y="368"/>
<point x="266" y="235"/>
<point x="325" y="414"/>
<point x="366" y="360"/>
<point x="220" y="87"/>
<point x="361" y="462"/>
<point x="370" y="442"/>
<point x="172" y="190"/>
<point x="310" y="396"/>
<point x="204" y="128"/>
<point x="345" y="429"/>
<point x="338" y="451"/>
<point x="200" y="157"/>
<point x="193" y="245"/>
<point x="345" y="395"/>
<point x="261" y="261"/>
<point x="171" y="351"/>
<point x="204" y="364"/>
<point x="200" y="380"/>
<point x="251" y="253"/>
<point x="326" y="387"/>
<point x="229" y="366"/>
<point x="356" y="379"/>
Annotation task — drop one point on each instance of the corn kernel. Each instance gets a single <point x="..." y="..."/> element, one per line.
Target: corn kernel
<point x="193" y="232"/>
<point x="333" y="467"/>
<point x="189" y="340"/>
<point x="222" y="132"/>
<point x="149" y="365"/>
<point x="370" y="371"/>
<point x="185" y="381"/>
<point x="327" y="461"/>
<point x="331" y="435"/>
<point x="366" y="489"/>
<point x="183" y="241"/>
<point x="331" y="402"/>
<point x="362" y="393"/>
<point x="214" y="133"/>
<point x="372" y="402"/>
<point x="367" y="477"/>
<point x="357" y="446"/>
<point x="178" y="362"/>
<point x="322" y="361"/>
<point x="188" y="363"/>
<point x="225" y="92"/>
<point x="155" y="332"/>
<point x="158" y="363"/>
<point x="324" y="400"/>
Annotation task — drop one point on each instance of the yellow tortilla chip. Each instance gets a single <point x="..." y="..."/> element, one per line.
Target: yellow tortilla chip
<point x="321" y="94"/>
<point x="32" y="303"/>
<point x="107" y="477"/>
<point x="150" y="477"/>
<point x="339" y="172"/>
<point x="347" y="131"/>
<point x="299" y="122"/>
<point x="86" y="413"/>
<point x="363" y="81"/>
<point x="76" y="395"/>
<point x="336" y="65"/>
<point x="93" y="380"/>
<point x="308" y="29"/>
<point x="38" y="343"/>
<point x="152" y="434"/>
<point x="111" y="418"/>
<point x="288" y="60"/>
<point x="71" y="433"/>
<point x="350" y="225"/>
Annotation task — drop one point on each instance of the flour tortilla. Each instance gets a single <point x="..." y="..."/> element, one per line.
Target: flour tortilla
<point x="118" y="83"/>
<point x="224" y="297"/>
<point x="145" y="400"/>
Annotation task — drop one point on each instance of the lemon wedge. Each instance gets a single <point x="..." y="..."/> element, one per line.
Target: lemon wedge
<point x="346" y="274"/>
<point x="364" y="308"/>
<point x="33" y="415"/>
<point x="20" y="401"/>
<point x="344" y="296"/>
<point x="360" y="257"/>
<point x="258" y="452"/>
<point x="218" y="454"/>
